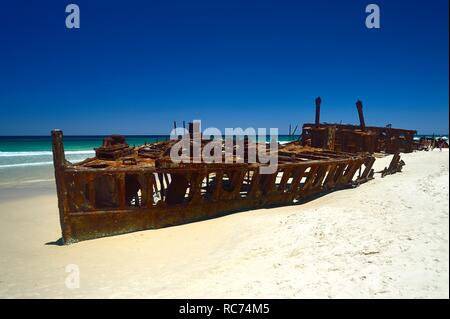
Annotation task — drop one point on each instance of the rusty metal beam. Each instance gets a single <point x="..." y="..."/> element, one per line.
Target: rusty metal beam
<point x="102" y="197"/>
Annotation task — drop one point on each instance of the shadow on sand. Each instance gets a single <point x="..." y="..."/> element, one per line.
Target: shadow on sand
<point x="58" y="242"/>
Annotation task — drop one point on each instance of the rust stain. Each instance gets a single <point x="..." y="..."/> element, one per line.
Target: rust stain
<point x="357" y="138"/>
<point x="124" y="189"/>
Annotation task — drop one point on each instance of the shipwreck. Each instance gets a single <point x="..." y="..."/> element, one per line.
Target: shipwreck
<point x="125" y="189"/>
<point x="357" y="138"/>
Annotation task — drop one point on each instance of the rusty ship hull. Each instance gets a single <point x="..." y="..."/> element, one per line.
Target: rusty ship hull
<point x="140" y="189"/>
<point x="357" y="138"/>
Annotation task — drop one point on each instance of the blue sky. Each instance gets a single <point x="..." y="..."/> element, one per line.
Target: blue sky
<point x="135" y="66"/>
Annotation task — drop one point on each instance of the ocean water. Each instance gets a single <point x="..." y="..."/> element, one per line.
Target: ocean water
<point x="28" y="160"/>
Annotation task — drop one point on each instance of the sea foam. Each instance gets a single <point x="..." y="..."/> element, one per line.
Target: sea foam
<point x="25" y="164"/>
<point x="43" y="153"/>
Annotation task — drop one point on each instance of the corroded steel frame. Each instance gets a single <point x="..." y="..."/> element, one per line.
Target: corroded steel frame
<point x="356" y="138"/>
<point x="395" y="166"/>
<point x="350" y="138"/>
<point x="182" y="193"/>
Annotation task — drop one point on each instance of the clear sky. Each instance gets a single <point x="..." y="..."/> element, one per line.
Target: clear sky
<point x="135" y="66"/>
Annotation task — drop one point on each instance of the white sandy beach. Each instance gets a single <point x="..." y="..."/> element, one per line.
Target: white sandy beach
<point x="388" y="238"/>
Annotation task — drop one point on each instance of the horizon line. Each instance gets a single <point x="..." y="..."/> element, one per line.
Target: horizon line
<point x="137" y="135"/>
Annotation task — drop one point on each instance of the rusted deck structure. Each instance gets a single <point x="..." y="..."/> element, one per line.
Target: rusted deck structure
<point x="356" y="138"/>
<point x="125" y="189"/>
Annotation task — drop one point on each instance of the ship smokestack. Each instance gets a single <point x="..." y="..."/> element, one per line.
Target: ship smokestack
<point x="191" y="130"/>
<point x="361" y="115"/>
<point x="318" y="101"/>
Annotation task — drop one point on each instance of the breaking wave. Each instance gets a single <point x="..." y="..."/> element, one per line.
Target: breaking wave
<point x="26" y="164"/>
<point x="38" y="158"/>
<point x="43" y="153"/>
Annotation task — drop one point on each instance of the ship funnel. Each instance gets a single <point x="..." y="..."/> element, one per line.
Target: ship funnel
<point x="191" y="129"/>
<point x="359" y="106"/>
<point x="318" y="101"/>
<point x="194" y="129"/>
